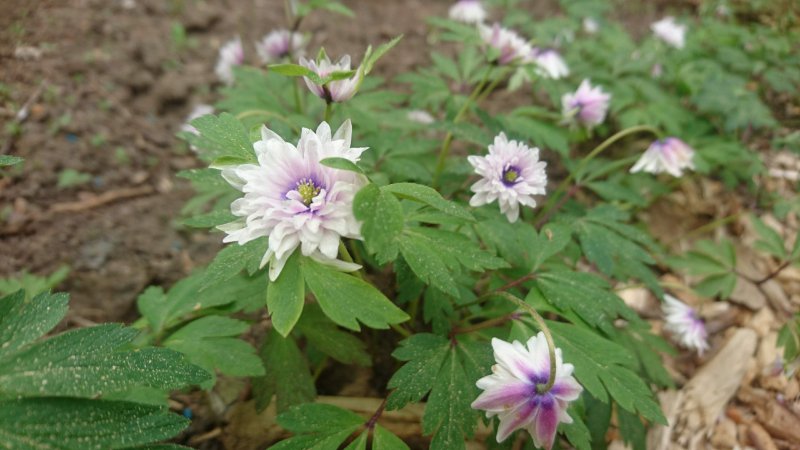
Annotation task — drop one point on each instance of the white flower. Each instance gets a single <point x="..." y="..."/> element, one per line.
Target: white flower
<point x="670" y="31"/>
<point x="588" y="104"/>
<point x="197" y="111"/>
<point x="512" y="174"/>
<point x="333" y="91"/>
<point x="511" y="392"/>
<point x="420" y="116"/>
<point x="296" y="201"/>
<point x="670" y="155"/>
<point x="231" y="54"/>
<point x="549" y="63"/>
<point x="590" y="25"/>
<point x="684" y="323"/>
<point x="279" y="44"/>
<point x="511" y="46"/>
<point x="468" y="11"/>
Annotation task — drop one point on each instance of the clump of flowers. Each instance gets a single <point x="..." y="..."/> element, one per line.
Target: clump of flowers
<point x="669" y="31"/>
<point x="336" y="90"/>
<point x="513" y="390"/>
<point x="684" y="323"/>
<point x="588" y="105"/>
<point x="280" y="44"/>
<point x="512" y="48"/>
<point x="512" y="175"/>
<point x="670" y="155"/>
<point x="549" y="63"/>
<point x="231" y="54"/>
<point x="296" y="201"/>
<point x="468" y="11"/>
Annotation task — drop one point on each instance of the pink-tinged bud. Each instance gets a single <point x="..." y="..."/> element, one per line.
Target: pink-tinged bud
<point x="468" y="11"/>
<point x="231" y="54"/>
<point x="333" y="91"/>
<point x="511" y="46"/>
<point x="670" y="155"/>
<point x="588" y="105"/>
<point x="549" y="63"/>
<point x="670" y="31"/>
<point x="280" y="44"/>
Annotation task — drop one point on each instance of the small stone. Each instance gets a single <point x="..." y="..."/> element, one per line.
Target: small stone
<point x="724" y="434"/>
<point x="762" y="322"/>
<point x="747" y="294"/>
<point x="27" y="52"/>
<point x="776" y="295"/>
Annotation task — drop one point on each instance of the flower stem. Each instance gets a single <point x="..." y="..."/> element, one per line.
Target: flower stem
<point x="448" y="140"/>
<point x="328" y="108"/>
<point x="578" y="172"/>
<point x="298" y="104"/>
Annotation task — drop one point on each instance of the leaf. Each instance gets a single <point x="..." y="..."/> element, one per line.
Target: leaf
<point x="576" y="432"/>
<point x="318" y="426"/>
<point x="448" y="414"/>
<point x="372" y="57"/>
<point x="347" y="299"/>
<point x="424" y="354"/>
<point x="384" y="439"/>
<point x="329" y="339"/>
<point x="296" y="70"/>
<point x="23" y="322"/>
<point x="630" y="392"/>
<point x="465" y="251"/>
<point x="88" y="362"/>
<point x="383" y="221"/>
<point x="427" y="264"/>
<point x="210" y="220"/>
<point x="231" y="260"/>
<point x="9" y="160"/>
<point x="288" y="378"/>
<point x="286" y="296"/>
<point x="342" y="164"/>
<point x="65" y="423"/>
<point x="224" y="137"/>
<point x="770" y="241"/>
<point x="429" y="196"/>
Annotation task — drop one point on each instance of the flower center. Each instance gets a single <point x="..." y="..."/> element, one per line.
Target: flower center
<point x="510" y="175"/>
<point x="307" y="190"/>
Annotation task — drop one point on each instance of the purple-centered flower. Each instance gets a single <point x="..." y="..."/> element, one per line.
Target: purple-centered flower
<point x="549" y="63"/>
<point x="296" y="201"/>
<point x="512" y="174"/>
<point x="511" y="46"/>
<point x="511" y="393"/>
<point x="684" y="323"/>
<point x="670" y="31"/>
<point x="333" y="91"/>
<point x="279" y="44"/>
<point x="670" y="155"/>
<point x="468" y="11"/>
<point x="231" y="54"/>
<point x="588" y="105"/>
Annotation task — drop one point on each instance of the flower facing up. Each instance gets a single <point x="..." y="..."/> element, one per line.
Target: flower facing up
<point x="670" y="155"/>
<point x="296" y="201"/>
<point x="670" y="31"/>
<point x="468" y="11"/>
<point x="588" y="105"/>
<point x="511" y="46"/>
<point x="333" y="91"/>
<point x="279" y="44"/>
<point x="683" y="322"/>
<point x="512" y="174"/>
<point x="231" y="54"/>
<point x="197" y="111"/>
<point x="511" y="393"/>
<point x="549" y="63"/>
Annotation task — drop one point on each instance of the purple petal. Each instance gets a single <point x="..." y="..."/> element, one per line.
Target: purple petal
<point x="566" y="389"/>
<point x="544" y="427"/>
<point x="515" y="419"/>
<point x="503" y="397"/>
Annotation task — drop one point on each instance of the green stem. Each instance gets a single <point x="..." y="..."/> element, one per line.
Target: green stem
<point x="448" y="140"/>
<point x="328" y="108"/>
<point x="578" y="172"/>
<point x="297" y="101"/>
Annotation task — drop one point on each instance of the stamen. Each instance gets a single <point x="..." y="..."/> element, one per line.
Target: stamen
<point x="307" y="190"/>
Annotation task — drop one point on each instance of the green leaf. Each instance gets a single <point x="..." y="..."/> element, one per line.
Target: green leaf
<point x="576" y="432"/>
<point x="630" y="392"/>
<point x="424" y="354"/>
<point x="230" y="261"/>
<point x="448" y="413"/>
<point x="286" y="296"/>
<point x="347" y="299"/>
<point x="88" y="362"/>
<point x="373" y="56"/>
<point x="22" y="322"/>
<point x="770" y="242"/>
<point x="329" y="339"/>
<point x="318" y="426"/>
<point x="429" y="196"/>
<point x="383" y="221"/>
<point x="342" y="164"/>
<point x="460" y="247"/>
<point x="427" y="263"/>
<point x="64" y="423"/>
<point x="210" y="220"/>
<point x="552" y="239"/>
<point x="224" y="137"/>
<point x="296" y="70"/>
<point x="383" y="439"/>
<point x="8" y="160"/>
<point x="288" y="378"/>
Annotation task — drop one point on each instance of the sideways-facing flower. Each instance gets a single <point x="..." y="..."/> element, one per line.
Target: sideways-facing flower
<point x="670" y="155"/>
<point x="511" y="392"/>
<point x="296" y="201"/>
<point x="279" y="44"/>
<point x="670" y="31"/>
<point x="231" y="54"/>
<point x="588" y="105"/>
<point x="198" y="111"/>
<point x="468" y="11"/>
<point x="512" y="174"/>
<point x="333" y="91"/>
<point x="684" y="323"/>
<point x="511" y="46"/>
<point x="549" y="63"/>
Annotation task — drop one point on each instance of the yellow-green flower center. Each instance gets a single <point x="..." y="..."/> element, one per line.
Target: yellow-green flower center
<point x="510" y="176"/>
<point x="307" y="190"/>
